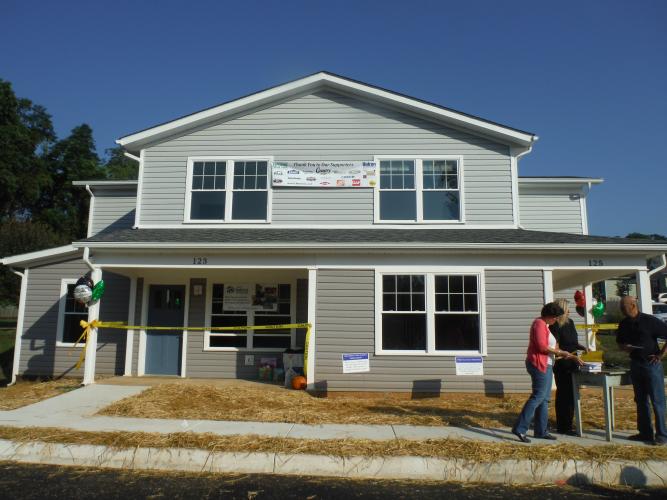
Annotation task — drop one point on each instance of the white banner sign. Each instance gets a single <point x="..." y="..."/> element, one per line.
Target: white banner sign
<point x="326" y="174"/>
<point x="356" y="362"/>
<point x="469" y="366"/>
<point x="246" y="297"/>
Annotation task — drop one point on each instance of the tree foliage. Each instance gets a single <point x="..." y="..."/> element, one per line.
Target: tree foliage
<point x="39" y="206"/>
<point x="656" y="237"/>
<point x="120" y="167"/>
<point x="22" y="236"/>
<point x="64" y="207"/>
<point x="26" y="133"/>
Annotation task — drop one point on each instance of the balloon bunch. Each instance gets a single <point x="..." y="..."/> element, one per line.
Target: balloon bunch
<point x="88" y="293"/>
<point x="580" y="301"/>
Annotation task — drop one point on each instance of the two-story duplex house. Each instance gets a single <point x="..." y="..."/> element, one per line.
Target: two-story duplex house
<point x="396" y="227"/>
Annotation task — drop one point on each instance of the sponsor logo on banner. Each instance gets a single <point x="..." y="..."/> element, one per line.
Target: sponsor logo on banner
<point x="320" y="173"/>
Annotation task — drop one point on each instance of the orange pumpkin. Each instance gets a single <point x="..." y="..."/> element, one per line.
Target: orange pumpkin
<point x="299" y="382"/>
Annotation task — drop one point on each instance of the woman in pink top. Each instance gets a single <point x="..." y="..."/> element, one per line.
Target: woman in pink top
<point x="542" y="348"/>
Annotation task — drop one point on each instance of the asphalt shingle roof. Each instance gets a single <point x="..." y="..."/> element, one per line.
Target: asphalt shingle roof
<point x="348" y="236"/>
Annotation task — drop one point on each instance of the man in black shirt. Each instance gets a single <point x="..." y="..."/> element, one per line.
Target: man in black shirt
<point x="638" y="335"/>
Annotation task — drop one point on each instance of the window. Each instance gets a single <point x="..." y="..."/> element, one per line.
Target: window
<point x="429" y="313"/>
<point x="398" y="196"/>
<point x="227" y="190"/>
<point x="70" y="314"/>
<point x="250" y="339"/>
<point x="420" y="190"/>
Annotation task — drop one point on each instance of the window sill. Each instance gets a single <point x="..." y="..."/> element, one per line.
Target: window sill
<point x="245" y="349"/>
<point x="221" y="222"/>
<point x="60" y="343"/>
<point x="424" y="222"/>
<point x="430" y="354"/>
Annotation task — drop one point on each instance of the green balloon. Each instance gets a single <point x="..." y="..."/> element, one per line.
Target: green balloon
<point x="98" y="290"/>
<point x="598" y="309"/>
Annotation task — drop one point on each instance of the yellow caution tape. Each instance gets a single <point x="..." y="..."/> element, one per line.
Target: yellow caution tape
<point x="596" y="356"/>
<point x="598" y="326"/>
<point x="119" y="325"/>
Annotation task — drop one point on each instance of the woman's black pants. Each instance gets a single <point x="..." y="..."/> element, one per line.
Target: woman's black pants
<point x="564" y="397"/>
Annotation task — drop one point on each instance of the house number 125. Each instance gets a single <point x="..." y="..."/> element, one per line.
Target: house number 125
<point x="199" y="261"/>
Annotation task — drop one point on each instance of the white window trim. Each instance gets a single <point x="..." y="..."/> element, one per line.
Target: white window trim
<point x="429" y="274"/>
<point x="251" y="321"/>
<point x="229" y="189"/>
<point x="62" y="303"/>
<point x="419" y="189"/>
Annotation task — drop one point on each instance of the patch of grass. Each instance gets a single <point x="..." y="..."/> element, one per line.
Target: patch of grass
<point x="612" y="354"/>
<point x="26" y="392"/>
<point x="255" y="403"/>
<point x="7" y="337"/>
<point x="442" y="448"/>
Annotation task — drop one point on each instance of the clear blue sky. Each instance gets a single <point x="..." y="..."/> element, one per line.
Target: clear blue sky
<point x="589" y="77"/>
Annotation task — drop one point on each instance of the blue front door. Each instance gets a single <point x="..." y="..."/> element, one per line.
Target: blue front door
<point x="163" y="347"/>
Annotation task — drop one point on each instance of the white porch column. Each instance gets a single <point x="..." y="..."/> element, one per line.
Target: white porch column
<point x="130" y="321"/>
<point x="588" y="317"/>
<point x="91" y="345"/>
<point x="644" y="300"/>
<point x="19" y="323"/>
<point x="312" y="297"/>
<point x="547" y="275"/>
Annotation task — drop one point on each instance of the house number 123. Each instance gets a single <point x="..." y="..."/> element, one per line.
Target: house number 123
<point x="199" y="261"/>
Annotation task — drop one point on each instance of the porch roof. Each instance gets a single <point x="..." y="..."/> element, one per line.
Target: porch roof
<point x="364" y="238"/>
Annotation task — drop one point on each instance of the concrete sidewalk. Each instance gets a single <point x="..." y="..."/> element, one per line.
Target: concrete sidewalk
<point x="76" y="410"/>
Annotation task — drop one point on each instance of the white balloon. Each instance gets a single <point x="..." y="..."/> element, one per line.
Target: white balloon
<point x="83" y="294"/>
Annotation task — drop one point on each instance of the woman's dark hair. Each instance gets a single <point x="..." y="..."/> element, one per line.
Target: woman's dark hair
<point x="551" y="309"/>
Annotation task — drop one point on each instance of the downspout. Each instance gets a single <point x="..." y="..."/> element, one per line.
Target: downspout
<point x="19" y="323"/>
<point x="91" y="207"/>
<point x="515" y="186"/>
<point x="132" y="157"/>
<point x="93" y="313"/>
<point x="660" y="267"/>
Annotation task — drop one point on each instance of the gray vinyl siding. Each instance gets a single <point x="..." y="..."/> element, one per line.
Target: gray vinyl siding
<point x="327" y="126"/>
<point x="225" y="364"/>
<point x="346" y="322"/>
<point x="113" y="209"/>
<point x="550" y="209"/>
<point x="39" y="354"/>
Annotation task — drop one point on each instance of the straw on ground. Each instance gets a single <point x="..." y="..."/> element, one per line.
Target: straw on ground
<point x="26" y="392"/>
<point x="439" y="448"/>
<point x="256" y="403"/>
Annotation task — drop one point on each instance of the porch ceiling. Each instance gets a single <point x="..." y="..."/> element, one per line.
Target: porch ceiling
<point x="568" y="278"/>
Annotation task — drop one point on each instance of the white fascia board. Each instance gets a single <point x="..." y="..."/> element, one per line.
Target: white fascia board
<point x="26" y="258"/>
<point x="556" y="180"/>
<point x="658" y="249"/>
<point x="136" y="140"/>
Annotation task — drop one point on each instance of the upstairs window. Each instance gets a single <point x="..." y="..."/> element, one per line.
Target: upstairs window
<point x="208" y="190"/>
<point x="229" y="190"/>
<point x="419" y="190"/>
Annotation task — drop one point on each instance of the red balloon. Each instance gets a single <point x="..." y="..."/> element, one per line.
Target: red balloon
<point x="579" y="299"/>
